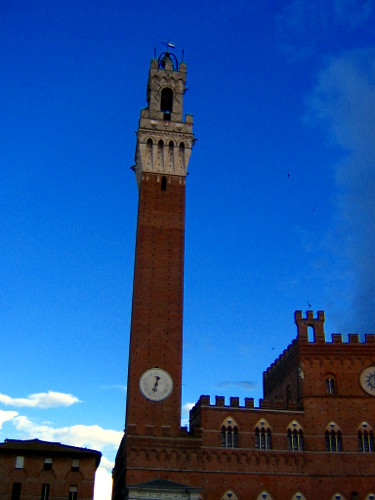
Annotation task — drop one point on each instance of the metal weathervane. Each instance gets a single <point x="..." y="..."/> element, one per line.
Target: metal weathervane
<point x="169" y="45"/>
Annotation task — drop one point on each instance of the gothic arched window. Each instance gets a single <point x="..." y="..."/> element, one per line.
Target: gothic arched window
<point x="229" y="433"/>
<point x="333" y="438"/>
<point x="149" y="151"/>
<point x="263" y="435"/>
<point x="365" y="438"/>
<point x="295" y="436"/>
<point x="181" y="154"/>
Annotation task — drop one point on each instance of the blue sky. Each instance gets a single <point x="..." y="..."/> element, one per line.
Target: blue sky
<point x="280" y="206"/>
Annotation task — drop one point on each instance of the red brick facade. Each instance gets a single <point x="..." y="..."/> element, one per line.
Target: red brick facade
<point x="312" y="436"/>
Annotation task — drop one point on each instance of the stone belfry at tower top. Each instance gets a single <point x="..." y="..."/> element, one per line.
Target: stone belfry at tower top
<point x="164" y="139"/>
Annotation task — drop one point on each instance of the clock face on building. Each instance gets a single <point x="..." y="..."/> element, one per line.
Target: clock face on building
<point x="156" y="384"/>
<point x="367" y="380"/>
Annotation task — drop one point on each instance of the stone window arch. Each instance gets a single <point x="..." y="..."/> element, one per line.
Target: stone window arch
<point x="365" y="438"/>
<point x="229" y="433"/>
<point x="295" y="436"/>
<point x="298" y="496"/>
<point x="370" y="496"/>
<point x="333" y="438"/>
<point x="338" y="496"/>
<point x="264" y="495"/>
<point x="229" y="495"/>
<point x="263" y="435"/>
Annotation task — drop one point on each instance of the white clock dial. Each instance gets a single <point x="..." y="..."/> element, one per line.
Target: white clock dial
<point x="367" y="380"/>
<point x="156" y="384"/>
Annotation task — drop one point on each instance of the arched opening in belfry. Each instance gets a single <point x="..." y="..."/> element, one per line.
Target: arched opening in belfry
<point x="171" y="156"/>
<point x="166" y="102"/>
<point x="149" y="152"/>
<point x="182" y="155"/>
<point x="160" y="154"/>
<point x="311" y="333"/>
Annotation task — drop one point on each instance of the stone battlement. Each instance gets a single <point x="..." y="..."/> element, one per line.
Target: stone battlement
<point x="234" y="402"/>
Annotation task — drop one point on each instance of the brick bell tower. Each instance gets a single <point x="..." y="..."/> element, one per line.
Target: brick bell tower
<point x="164" y="143"/>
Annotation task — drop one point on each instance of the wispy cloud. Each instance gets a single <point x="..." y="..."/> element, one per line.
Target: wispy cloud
<point x="344" y="101"/>
<point x="43" y="400"/>
<point x="117" y="387"/>
<point x="304" y="26"/>
<point x="5" y="416"/>
<point x="242" y="384"/>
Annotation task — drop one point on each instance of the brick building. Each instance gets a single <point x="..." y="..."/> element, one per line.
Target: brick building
<point x="311" y="436"/>
<point x="49" y="471"/>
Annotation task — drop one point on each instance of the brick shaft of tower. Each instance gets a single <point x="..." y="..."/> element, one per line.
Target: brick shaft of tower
<point x="164" y="143"/>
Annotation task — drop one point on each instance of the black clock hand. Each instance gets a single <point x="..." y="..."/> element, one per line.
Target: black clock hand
<point x="154" y="389"/>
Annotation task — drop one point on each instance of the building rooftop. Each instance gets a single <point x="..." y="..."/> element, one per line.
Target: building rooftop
<point x="37" y="446"/>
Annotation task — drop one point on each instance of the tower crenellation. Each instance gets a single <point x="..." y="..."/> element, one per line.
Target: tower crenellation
<point x="316" y="324"/>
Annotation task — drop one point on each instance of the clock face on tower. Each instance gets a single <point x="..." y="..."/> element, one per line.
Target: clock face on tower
<point x="367" y="380"/>
<point x="156" y="384"/>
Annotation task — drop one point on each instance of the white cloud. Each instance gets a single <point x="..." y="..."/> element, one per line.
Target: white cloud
<point x="5" y="416"/>
<point x="43" y="400"/>
<point x="91" y="436"/>
<point x="187" y="407"/>
<point x="103" y="480"/>
<point x="107" y="464"/>
<point x="344" y="100"/>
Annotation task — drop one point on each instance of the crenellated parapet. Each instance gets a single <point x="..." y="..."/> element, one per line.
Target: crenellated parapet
<point x="283" y="358"/>
<point x="219" y="403"/>
<point x="353" y="338"/>
<point x="316" y="324"/>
